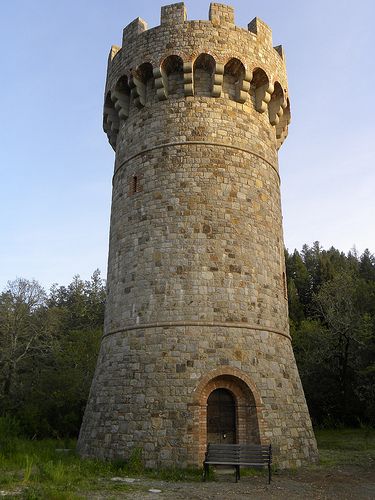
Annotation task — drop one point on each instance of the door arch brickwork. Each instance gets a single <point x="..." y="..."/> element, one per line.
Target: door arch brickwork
<point x="250" y="424"/>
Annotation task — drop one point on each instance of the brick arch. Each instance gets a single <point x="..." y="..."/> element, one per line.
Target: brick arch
<point x="227" y="370"/>
<point x="250" y="425"/>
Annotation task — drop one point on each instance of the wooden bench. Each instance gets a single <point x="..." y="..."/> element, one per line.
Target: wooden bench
<point x="248" y="455"/>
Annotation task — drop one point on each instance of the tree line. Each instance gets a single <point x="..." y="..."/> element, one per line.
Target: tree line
<point x="49" y="342"/>
<point x="332" y="319"/>
<point x="48" y="349"/>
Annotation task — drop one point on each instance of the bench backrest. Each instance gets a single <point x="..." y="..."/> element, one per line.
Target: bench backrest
<point x="222" y="452"/>
<point x="239" y="453"/>
<point x="255" y="454"/>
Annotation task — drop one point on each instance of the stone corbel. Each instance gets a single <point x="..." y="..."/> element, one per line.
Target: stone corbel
<point x="138" y="91"/>
<point x="111" y="125"/>
<point x="121" y="104"/>
<point x="244" y="87"/>
<point x="276" y="109"/>
<point x="263" y="97"/>
<point x="218" y="80"/>
<point x="188" y="79"/>
<point x="282" y="126"/>
<point x="161" y="84"/>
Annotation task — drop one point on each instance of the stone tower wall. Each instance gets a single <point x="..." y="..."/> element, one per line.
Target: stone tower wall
<point x="196" y="111"/>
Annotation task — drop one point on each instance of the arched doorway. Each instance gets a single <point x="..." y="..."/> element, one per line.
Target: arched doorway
<point x="250" y="425"/>
<point x="221" y="417"/>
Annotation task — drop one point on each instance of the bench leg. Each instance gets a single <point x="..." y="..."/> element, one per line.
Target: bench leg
<point x="269" y="474"/>
<point x="205" y="472"/>
<point x="238" y="476"/>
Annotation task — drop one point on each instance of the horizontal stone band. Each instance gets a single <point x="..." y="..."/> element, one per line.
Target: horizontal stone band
<point x="197" y="323"/>
<point x="196" y="143"/>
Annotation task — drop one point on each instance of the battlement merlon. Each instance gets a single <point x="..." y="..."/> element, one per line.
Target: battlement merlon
<point x="173" y="14"/>
<point x="221" y="14"/>
<point x="112" y="53"/>
<point x="114" y="61"/>
<point x="132" y="30"/>
<point x="262" y="31"/>
<point x="280" y="50"/>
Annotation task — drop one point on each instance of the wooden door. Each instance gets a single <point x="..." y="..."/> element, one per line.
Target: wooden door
<point x="221" y="417"/>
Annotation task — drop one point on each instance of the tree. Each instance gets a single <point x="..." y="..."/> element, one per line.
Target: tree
<point x="24" y="329"/>
<point x="296" y="312"/>
<point x="299" y="284"/>
<point x="66" y="374"/>
<point x="48" y="350"/>
<point x="312" y="260"/>
<point x="334" y="338"/>
<point x="338" y="308"/>
<point x="82" y="302"/>
<point x="367" y="266"/>
<point x="313" y="348"/>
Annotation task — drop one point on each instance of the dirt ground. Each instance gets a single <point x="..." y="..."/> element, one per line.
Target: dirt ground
<point x="344" y="482"/>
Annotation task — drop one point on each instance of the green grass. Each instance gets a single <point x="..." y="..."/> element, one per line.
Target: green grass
<point x="346" y="439"/>
<point x="37" y="471"/>
<point x="346" y="446"/>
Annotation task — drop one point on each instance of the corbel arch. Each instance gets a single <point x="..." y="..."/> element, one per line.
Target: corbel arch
<point x="236" y="84"/>
<point x="261" y="89"/>
<point x="121" y="97"/>
<point x="203" y="75"/>
<point x="142" y="84"/>
<point x="173" y="74"/>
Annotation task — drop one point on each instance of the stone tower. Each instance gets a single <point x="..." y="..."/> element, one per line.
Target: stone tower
<point x="196" y="346"/>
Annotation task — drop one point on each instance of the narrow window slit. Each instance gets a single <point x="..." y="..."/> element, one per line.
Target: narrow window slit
<point x="135" y="184"/>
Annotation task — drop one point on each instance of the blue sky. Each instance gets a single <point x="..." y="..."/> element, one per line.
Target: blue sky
<point x="56" y="165"/>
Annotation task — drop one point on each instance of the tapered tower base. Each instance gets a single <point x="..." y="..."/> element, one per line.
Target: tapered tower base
<point x="154" y="397"/>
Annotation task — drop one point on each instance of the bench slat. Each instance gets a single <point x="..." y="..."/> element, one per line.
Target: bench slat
<point x="237" y="446"/>
<point x="253" y="454"/>
<point x="219" y="463"/>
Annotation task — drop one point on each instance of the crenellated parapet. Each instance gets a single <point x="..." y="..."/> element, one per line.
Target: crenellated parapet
<point x="181" y="59"/>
